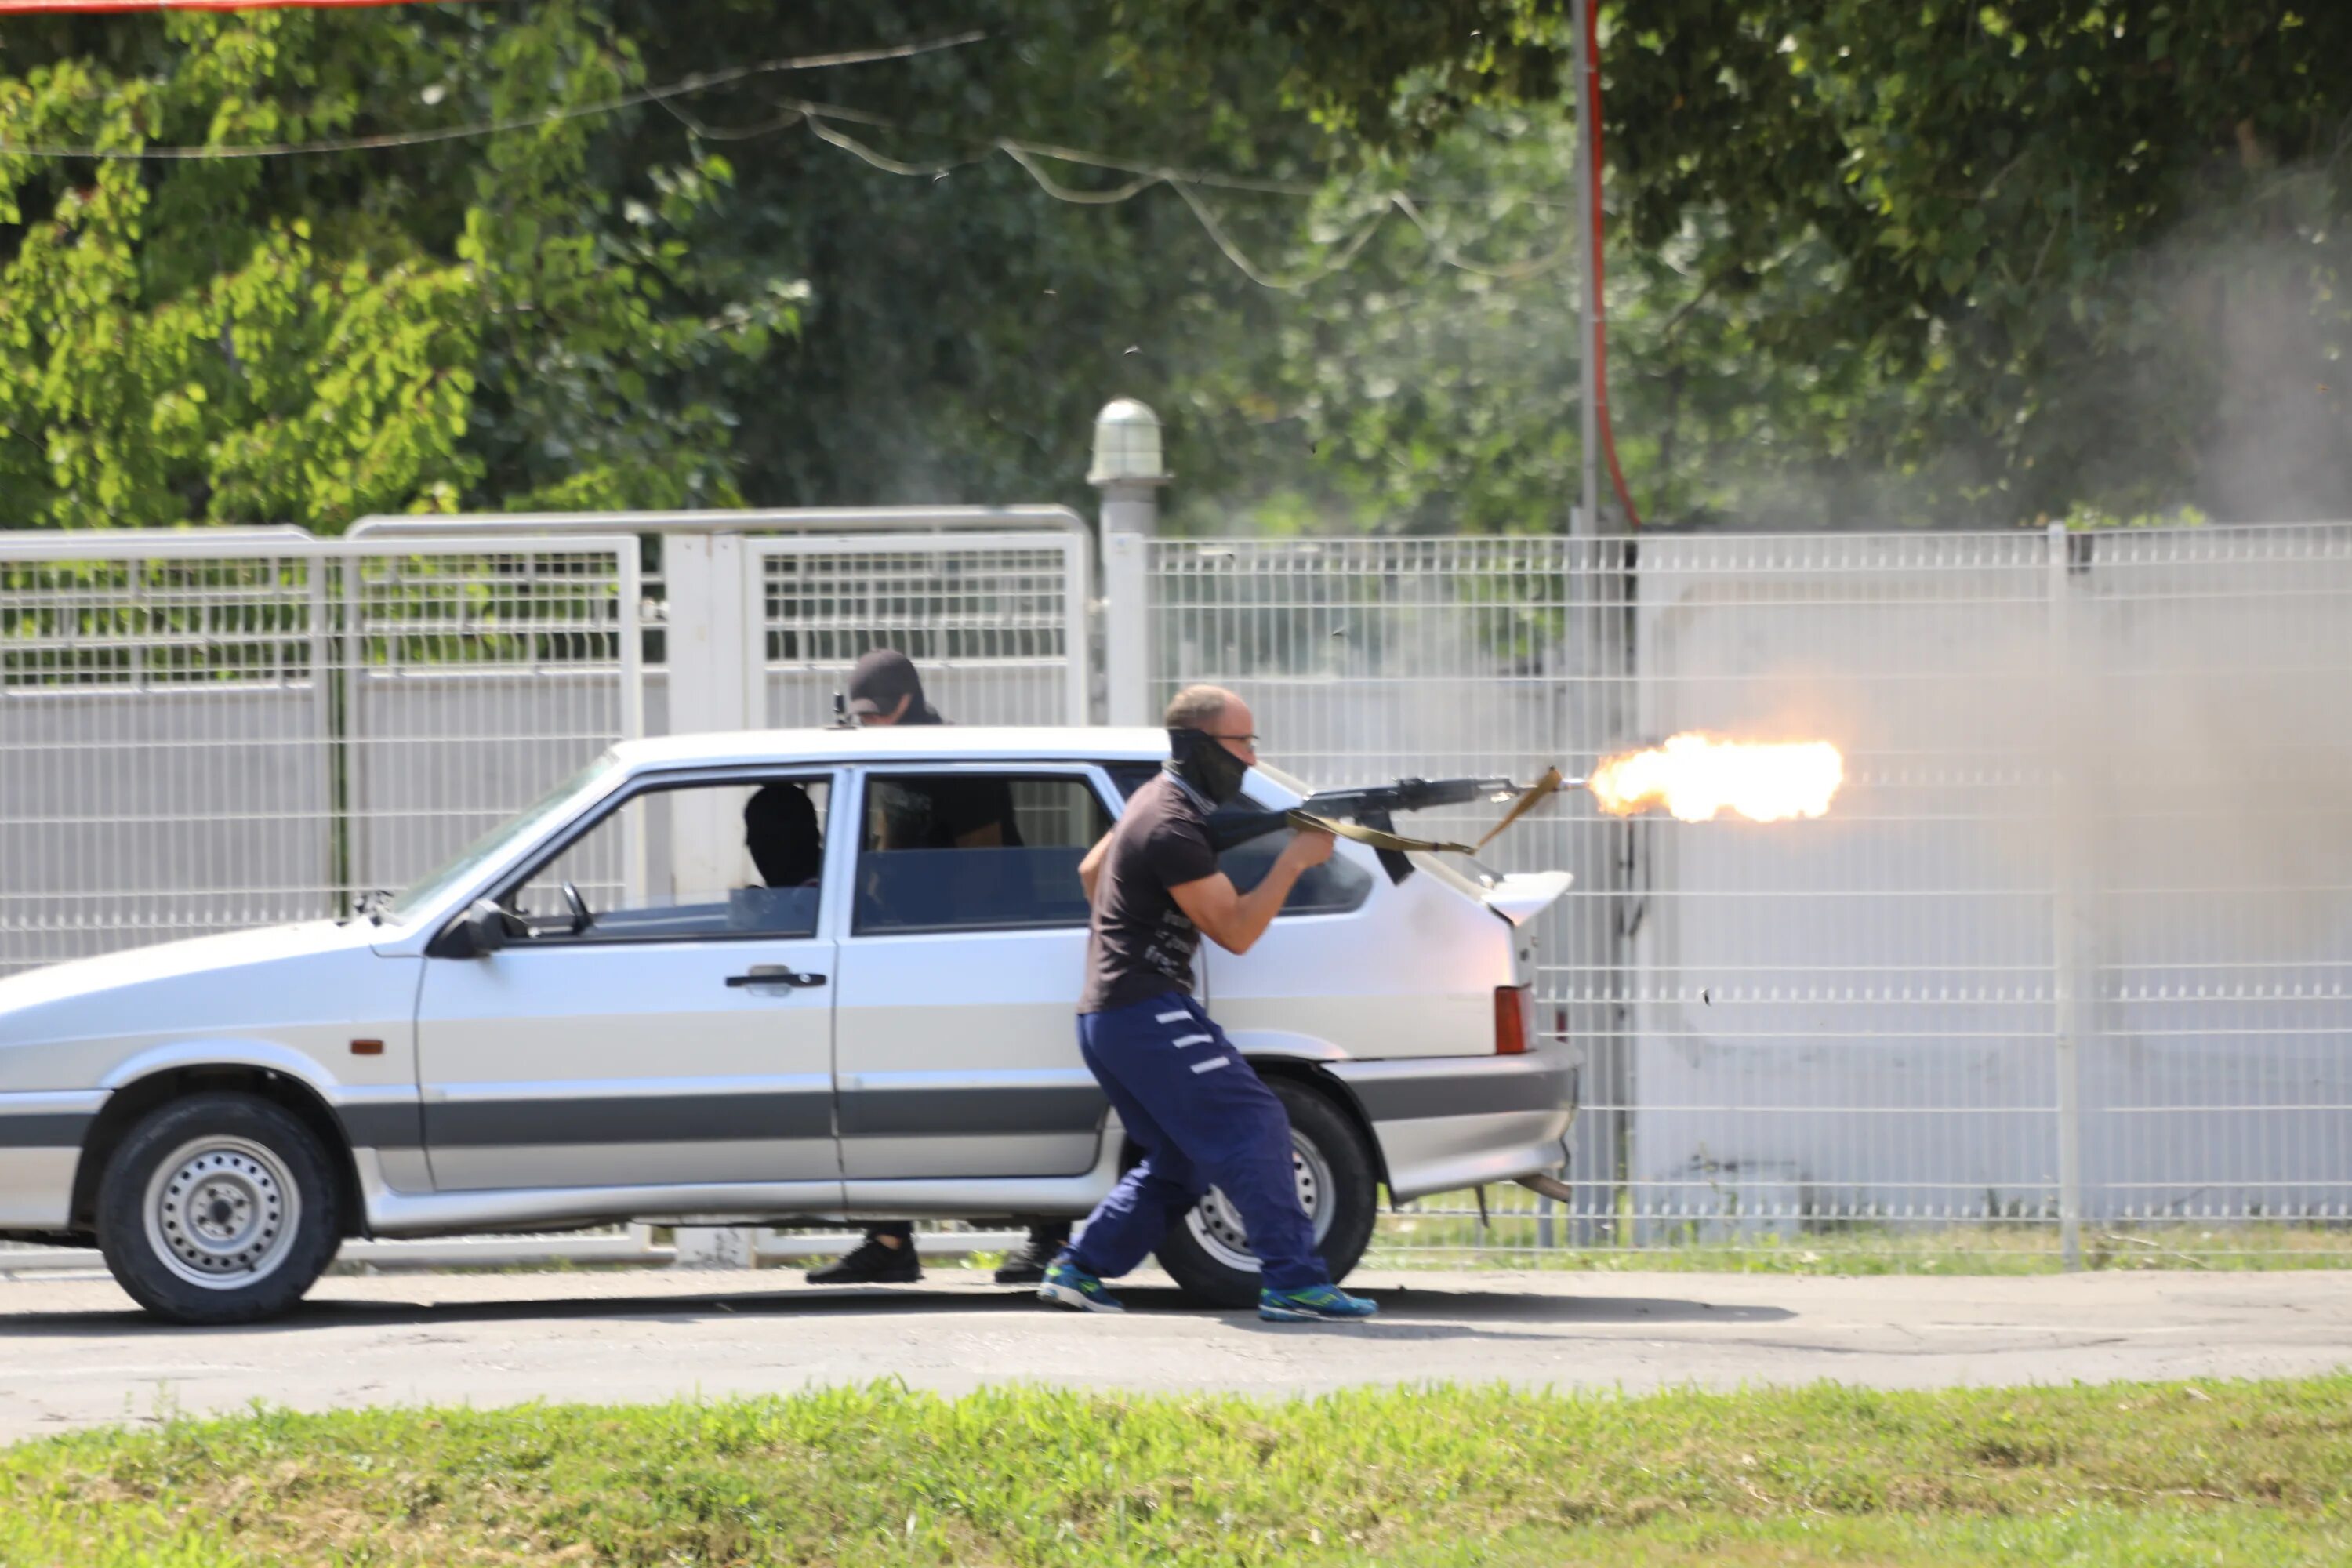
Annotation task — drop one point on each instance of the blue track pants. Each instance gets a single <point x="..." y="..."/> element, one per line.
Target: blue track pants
<point x="1205" y="1118"/>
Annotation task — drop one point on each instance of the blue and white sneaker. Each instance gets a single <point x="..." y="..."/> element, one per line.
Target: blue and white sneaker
<point x="1067" y="1285"/>
<point x="1315" y="1304"/>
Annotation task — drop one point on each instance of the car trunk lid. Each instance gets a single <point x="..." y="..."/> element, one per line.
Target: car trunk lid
<point x="1521" y="896"/>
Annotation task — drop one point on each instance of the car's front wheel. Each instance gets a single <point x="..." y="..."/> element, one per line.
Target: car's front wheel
<point x="219" y="1208"/>
<point x="1209" y="1254"/>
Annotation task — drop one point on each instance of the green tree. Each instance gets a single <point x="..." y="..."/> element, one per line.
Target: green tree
<point x="308" y="339"/>
<point x="962" y="326"/>
<point x="1987" y="261"/>
<point x="697" y="302"/>
<point x="1876" y="264"/>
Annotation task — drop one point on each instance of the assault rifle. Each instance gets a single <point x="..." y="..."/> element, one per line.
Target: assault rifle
<point x="1372" y="807"/>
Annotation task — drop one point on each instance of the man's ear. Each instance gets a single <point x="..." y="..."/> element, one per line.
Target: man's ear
<point x="905" y="702"/>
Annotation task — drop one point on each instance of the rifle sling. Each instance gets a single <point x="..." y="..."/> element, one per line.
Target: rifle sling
<point x="1538" y="792"/>
<point x="1374" y="836"/>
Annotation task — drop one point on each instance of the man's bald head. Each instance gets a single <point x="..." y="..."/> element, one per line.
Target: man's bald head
<point x="1199" y="707"/>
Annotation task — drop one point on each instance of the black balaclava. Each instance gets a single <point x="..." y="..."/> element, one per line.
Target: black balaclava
<point x="885" y="675"/>
<point x="780" y="831"/>
<point x="1201" y="760"/>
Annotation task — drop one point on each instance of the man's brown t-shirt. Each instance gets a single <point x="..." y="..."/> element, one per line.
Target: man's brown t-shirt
<point x="1139" y="944"/>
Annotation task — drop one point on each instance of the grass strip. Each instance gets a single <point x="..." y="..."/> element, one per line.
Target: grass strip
<point x="1512" y="1240"/>
<point x="2087" y="1475"/>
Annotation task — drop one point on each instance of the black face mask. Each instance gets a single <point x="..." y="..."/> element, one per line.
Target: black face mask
<point x="1201" y="761"/>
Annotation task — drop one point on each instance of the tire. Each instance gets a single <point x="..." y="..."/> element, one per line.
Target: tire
<point x="268" y="1226"/>
<point x="1207" y="1254"/>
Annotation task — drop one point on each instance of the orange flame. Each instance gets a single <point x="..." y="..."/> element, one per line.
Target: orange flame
<point x="1694" y="776"/>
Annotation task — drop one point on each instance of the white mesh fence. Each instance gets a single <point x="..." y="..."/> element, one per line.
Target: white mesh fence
<point x="164" y="766"/>
<point x="2208" y="839"/>
<point x="2113" y="774"/>
<point x="193" y="740"/>
<point x="995" y="623"/>
<point x="2096" y="793"/>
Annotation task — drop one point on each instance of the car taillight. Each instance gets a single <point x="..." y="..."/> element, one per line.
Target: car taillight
<point x="1515" y="1020"/>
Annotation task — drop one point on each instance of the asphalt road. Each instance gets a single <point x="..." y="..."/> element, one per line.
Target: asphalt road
<point x="74" y="1353"/>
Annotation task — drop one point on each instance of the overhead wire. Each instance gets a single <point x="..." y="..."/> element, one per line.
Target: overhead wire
<point x="1062" y="193"/>
<point x="1338" y="258"/>
<point x="1188" y="183"/>
<point x="701" y="81"/>
<point x="887" y="164"/>
<point x="1507" y="271"/>
<point x="1143" y="177"/>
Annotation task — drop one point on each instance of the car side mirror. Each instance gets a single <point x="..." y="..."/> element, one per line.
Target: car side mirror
<point x="487" y="928"/>
<point x="480" y="931"/>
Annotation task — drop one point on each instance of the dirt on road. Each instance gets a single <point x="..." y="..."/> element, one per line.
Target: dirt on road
<point x="74" y="1353"/>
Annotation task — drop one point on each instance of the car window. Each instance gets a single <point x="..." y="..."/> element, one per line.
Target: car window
<point x="974" y="851"/>
<point x="757" y="871"/>
<point x="1333" y="888"/>
<point x="1132" y="776"/>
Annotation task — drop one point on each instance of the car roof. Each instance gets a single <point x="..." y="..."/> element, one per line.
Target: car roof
<point x="900" y="742"/>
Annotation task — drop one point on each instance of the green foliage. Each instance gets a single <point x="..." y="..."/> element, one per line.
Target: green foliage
<point x="962" y="329"/>
<point x="700" y="303"/>
<point x="1964" y="261"/>
<point x="1871" y="263"/>
<point x="2118" y="1474"/>
<point x="251" y="339"/>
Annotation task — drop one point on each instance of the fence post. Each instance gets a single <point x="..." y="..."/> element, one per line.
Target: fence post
<point x="328" y="748"/>
<point x="710" y="688"/>
<point x="1128" y="469"/>
<point x="359" y="836"/>
<point x="2064" y="913"/>
<point x="711" y="659"/>
<point x="1127" y="629"/>
<point x="629" y="633"/>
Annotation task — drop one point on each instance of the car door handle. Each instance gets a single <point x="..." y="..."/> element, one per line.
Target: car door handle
<point x="775" y="974"/>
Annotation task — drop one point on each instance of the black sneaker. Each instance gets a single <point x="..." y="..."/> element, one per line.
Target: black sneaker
<point x="871" y="1264"/>
<point x="1025" y="1264"/>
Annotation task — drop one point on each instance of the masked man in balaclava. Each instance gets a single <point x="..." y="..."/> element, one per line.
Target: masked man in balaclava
<point x="884" y="689"/>
<point x="1200" y="1111"/>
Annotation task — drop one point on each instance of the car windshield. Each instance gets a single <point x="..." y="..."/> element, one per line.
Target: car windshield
<point x="533" y="821"/>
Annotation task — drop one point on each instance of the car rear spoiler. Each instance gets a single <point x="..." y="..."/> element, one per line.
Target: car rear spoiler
<point x="1523" y="895"/>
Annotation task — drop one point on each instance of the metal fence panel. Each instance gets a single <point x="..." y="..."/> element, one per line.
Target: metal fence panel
<point x="202" y="734"/>
<point x="164" y="768"/>
<point x="1849" y="1019"/>
<point x="2213" y="747"/>
<point x="474" y="679"/>
<point x="2091" y="789"/>
<point x="1364" y="659"/>
<point x="2085" y="906"/>
<point x="996" y="623"/>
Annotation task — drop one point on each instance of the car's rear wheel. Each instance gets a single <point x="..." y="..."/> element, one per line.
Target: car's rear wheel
<point x="219" y="1208"/>
<point x="1209" y="1254"/>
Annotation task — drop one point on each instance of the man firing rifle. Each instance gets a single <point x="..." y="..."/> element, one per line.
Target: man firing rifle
<point x="1182" y="1091"/>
